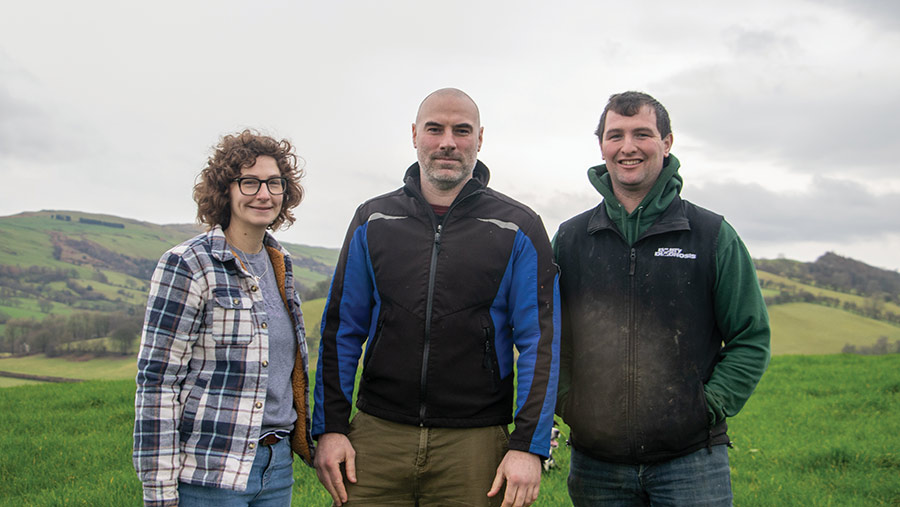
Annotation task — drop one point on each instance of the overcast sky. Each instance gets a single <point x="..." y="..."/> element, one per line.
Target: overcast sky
<point x="785" y="113"/>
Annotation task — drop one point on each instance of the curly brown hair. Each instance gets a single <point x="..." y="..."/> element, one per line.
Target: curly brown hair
<point x="233" y="153"/>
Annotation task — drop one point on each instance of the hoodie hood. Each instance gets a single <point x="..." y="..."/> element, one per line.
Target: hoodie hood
<point x="633" y="224"/>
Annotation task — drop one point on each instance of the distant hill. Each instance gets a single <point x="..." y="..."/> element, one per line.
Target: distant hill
<point x="67" y="275"/>
<point x="88" y="242"/>
<point x="832" y="305"/>
<point x="838" y="273"/>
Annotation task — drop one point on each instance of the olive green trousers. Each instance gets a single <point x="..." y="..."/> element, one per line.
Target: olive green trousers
<point x="400" y="464"/>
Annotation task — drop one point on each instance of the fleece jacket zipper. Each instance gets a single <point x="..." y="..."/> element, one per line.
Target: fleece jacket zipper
<point x="632" y="356"/>
<point x="429" y="301"/>
<point x="435" y="249"/>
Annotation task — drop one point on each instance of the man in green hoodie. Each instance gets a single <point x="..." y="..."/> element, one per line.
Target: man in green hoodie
<point x="664" y="329"/>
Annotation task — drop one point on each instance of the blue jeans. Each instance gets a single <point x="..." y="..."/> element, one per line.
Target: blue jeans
<point x="270" y="483"/>
<point x="700" y="478"/>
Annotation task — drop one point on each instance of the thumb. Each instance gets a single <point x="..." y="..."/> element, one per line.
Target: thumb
<point x="350" y="468"/>
<point x="497" y="484"/>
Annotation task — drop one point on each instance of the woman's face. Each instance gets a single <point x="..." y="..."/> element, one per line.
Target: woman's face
<point x="258" y="211"/>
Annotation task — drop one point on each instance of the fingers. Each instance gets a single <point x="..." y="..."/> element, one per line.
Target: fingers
<point x="335" y="449"/>
<point x="337" y="482"/>
<point x="522" y="473"/>
<point x="331" y="478"/>
<point x="520" y="496"/>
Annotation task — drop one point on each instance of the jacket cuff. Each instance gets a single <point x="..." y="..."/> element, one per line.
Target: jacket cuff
<point x="714" y="408"/>
<point x="160" y="495"/>
<point x="344" y="430"/>
<point x="518" y="445"/>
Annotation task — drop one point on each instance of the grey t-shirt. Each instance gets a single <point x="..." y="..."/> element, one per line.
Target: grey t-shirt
<point x="279" y="414"/>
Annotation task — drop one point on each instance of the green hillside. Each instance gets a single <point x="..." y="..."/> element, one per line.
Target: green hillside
<point x="773" y="284"/>
<point x="841" y="274"/>
<point x="69" y="280"/>
<point x="808" y="319"/>
<point x="30" y="239"/>
<point x="312" y="316"/>
<point x="54" y="256"/>
<point x="804" y="328"/>
<point x="63" y="240"/>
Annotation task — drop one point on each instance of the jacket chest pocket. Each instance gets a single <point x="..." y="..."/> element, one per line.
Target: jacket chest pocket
<point x="232" y="317"/>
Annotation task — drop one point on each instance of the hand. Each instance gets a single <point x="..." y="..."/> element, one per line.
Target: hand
<point x="522" y="473"/>
<point x="332" y="450"/>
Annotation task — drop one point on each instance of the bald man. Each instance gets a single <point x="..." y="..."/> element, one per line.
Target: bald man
<point x="440" y="280"/>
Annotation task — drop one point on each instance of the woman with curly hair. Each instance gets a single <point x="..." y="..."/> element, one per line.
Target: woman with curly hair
<point x="222" y="383"/>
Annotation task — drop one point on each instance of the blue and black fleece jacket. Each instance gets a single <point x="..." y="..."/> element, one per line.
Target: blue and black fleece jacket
<point x="440" y="304"/>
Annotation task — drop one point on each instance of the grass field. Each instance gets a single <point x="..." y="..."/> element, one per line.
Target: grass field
<point x="13" y="382"/>
<point x="104" y="368"/>
<point x="312" y="317"/>
<point x="820" y="430"/>
<point x="805" y="328"/>
<point x="27" y="309"/>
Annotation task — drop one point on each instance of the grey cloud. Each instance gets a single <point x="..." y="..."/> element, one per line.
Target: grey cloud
<point x="884" y="13"/>
<point x="829" y="210"/>
<point x="832" y="126"/>
<point x="19" y="124"/>
<point x="23" y="124"/>
<point x="745" y="42"/>
<point x="30" y="129"/>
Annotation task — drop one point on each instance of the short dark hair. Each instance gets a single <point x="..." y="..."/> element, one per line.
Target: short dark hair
<point x="233" y="153"/>
<point x="630" y="104"/>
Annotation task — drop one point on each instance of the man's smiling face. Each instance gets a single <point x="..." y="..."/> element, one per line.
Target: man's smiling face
<point x="633" y="151"/>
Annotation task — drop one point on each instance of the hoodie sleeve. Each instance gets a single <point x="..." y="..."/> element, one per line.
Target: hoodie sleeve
<point x="742" y="317"/>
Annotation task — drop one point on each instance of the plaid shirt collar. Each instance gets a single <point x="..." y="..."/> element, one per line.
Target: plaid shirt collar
<point x="222" y="252"/>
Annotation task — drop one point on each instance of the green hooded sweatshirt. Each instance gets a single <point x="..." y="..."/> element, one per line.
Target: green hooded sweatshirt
<point x="739" y="306"/>
<point x="633" y="224"/>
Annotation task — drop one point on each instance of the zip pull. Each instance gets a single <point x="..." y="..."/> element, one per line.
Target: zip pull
<point x="437" y="236"/>
<point x="487" y="363"/>
<point x="633" y="258"/>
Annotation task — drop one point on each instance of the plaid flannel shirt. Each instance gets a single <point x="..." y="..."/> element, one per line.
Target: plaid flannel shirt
<point x="202" y="376"/>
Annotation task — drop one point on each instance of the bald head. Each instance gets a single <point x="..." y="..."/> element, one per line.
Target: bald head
<point x="452" y="93"/>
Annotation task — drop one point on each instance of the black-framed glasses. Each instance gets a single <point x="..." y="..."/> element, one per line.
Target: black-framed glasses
<point x="250" y="185"/>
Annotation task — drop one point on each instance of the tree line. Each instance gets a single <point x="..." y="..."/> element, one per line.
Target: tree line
<point x="50" y="335"/>
<point x="882" y="346"/>
<point x="873" y="307"/>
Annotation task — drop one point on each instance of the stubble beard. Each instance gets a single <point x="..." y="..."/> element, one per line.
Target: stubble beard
<point x="443" y="178"/>
<point x="446" y="182"/>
